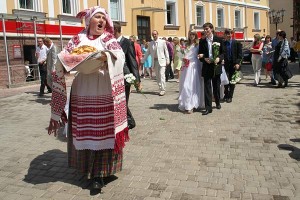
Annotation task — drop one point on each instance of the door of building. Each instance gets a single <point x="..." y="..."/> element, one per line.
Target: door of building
<point x="143" y="28"/>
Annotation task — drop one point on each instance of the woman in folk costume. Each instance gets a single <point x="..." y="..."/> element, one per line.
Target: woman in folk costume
<point x="191" y="91"/>
<point x="97" y="114"/>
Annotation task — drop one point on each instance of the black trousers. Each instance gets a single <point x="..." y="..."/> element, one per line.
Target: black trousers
<point x="43" y="75"/>
<point x="169" y="72"/>
<point x="229" y="89"/>
<point x="130" y="119"/>
<point x="215" y="81"/>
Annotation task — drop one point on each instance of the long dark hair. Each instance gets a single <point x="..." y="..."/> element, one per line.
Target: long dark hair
<point x="268" y="36"/>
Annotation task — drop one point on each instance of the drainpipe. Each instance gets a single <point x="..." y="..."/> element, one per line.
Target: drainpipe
<point x="34" y="28"/>
<point x="185" y="17"/>
<point x="98" y="2"/>
<point x="6" y="52"/>
<point x="246" y="21"/>
<point x="60" y="34"/>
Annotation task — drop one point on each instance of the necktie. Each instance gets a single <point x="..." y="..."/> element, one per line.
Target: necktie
<point x="229" y="49"/>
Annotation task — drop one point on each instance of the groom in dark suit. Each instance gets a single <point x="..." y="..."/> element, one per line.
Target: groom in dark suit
<point x="211" y="69"/>
<point x="232" y="59"/>
<point x="130" y="66"/>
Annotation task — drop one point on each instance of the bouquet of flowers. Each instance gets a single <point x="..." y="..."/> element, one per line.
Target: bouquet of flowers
<point x="186" y="62"/>
<point x="216" y="52"/>
<point x="237" y="75"/>
<point x="129" y="78"/>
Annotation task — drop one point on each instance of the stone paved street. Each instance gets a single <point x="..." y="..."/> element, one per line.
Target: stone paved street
<point x="232" y="153"/>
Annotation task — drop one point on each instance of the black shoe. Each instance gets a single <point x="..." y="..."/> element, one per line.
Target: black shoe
<point x="218" y="106"/>
<point x="279" y="85"/>
<point x="131" y="123"/>
<point x="223" y="100"/>
<point x="285" y="83"/>
<point x="41" y="94"/>
<point x="229" y="100"/>
<point x="207" y="112"/>
<point x="272" y="83"/>
<point x="98" y="183"/>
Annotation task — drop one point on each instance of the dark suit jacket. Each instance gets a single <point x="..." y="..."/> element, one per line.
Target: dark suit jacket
<point x="130" y="65"/>
<point x="208" y="69"/>
<point x="234" y="57"/>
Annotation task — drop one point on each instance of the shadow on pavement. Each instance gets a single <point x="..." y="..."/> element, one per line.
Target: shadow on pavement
<point x="146" y="92"/>
<point x="52" y="166"/>
<point x="46" y="99"/>
<point x="170" y="107"/>
<point x="295" y="152"/>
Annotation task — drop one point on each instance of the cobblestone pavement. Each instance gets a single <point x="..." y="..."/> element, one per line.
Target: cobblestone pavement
<point x="247" y="150"/>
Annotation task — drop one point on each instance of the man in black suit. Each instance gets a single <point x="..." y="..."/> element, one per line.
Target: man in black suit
<point x="211" y="69"/>
<point x="232" y="59"/>
<point x="130" y="66"/>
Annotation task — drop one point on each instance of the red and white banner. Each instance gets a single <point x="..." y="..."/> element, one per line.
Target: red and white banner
<point x="12" y="26"/>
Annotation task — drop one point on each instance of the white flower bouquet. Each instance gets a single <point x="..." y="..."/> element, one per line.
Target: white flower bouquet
<point x="216" y="53"/>
<point x="130" y="78"/>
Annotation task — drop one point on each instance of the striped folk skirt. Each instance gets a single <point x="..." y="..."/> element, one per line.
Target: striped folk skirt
<point x="92" y="163"/>
<point x="102" y="163"/>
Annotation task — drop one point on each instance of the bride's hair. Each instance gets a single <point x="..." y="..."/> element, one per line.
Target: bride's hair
<point x="196" y="41"/>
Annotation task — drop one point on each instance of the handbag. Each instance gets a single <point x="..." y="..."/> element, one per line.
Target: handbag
<point x="223" y="77"/>
<point x="269" y="66"/>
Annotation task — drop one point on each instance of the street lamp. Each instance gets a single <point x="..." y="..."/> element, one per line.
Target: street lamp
<point x="276" y="17"/>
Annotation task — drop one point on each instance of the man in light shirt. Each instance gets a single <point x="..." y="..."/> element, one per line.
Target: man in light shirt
<point x="41" y="55"/>
<point x="51" y="59"/>
<point x="160" y="59"/>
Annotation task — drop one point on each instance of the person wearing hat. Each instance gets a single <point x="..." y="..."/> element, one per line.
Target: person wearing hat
<point x="97" y="114"/>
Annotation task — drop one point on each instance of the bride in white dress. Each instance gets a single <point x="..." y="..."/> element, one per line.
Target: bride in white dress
<point x="191" y="93"/>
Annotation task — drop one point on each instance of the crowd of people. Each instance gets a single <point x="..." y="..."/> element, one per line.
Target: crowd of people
<point x="99" y="117"/>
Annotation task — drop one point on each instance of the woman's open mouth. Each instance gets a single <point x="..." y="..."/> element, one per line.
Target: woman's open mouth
<point x="100" y="26"/>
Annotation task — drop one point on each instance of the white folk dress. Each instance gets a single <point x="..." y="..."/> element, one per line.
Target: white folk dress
<point x="191" y="90"/>
<point x="97" y="112"/>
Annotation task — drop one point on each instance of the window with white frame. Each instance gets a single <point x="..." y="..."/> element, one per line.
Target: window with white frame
<point x="27" y="4"/>
<point x="256" y="21"/>
<point x="116" y="10"/>
<point x="220" y="17"/>
<point x="66" y="7"/>
<point x="171" y="13"/>
<point x="237" y="19"/>
<point x="69" y="7"/>
<point x="199" y="15"/>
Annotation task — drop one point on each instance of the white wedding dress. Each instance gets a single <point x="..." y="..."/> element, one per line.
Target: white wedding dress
<point x="191" y="90"/>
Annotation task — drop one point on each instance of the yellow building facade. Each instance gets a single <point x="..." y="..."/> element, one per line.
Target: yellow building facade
<point x="23" y="21"/>
<point x="169" y="17"/>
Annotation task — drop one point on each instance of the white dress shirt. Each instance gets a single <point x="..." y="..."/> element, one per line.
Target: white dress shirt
<point x="41" y="53"/>
<point x="209" y="42"/>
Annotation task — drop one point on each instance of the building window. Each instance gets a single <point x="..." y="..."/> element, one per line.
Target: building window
<point x="116" y="10"/>
<point x="69" y="7"/>
<point x="66" y="7"/>
<point x="199" y="15"/>
<point x="171" y="13"/>
<point x="220" y="17"/>
<point x="256" y="21"/>
<point x="26" y="4"/>
<point x="237" y="18"/>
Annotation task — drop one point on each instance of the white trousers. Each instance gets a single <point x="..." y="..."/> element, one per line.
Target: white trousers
<point x="256" y="64"/>
<point x="160" y="76"/>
